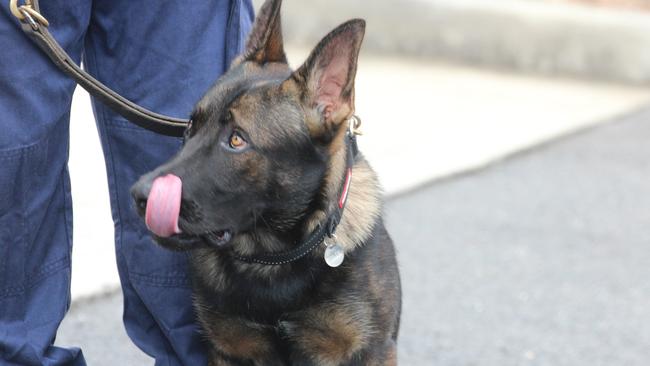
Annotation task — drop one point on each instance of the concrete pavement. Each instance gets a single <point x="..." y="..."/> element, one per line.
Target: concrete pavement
<point x="541" y="259"/>
<point x="546" y="37"/>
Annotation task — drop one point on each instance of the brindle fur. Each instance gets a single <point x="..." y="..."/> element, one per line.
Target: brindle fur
<point x="272" y="196"/>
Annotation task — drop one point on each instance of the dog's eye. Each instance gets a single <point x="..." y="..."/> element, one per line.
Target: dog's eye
<point x="236" y="141"/>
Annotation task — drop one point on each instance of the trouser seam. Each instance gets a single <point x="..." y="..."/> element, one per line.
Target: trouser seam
<point x="44" y="272"/>
<point x="67" y="208"/>
<point x="161" y="281"/>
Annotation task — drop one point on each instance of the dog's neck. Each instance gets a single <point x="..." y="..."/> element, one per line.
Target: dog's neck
<point x="362" y="210"/>
<point x="357" y="218"/>
<point x="363" y="205"/>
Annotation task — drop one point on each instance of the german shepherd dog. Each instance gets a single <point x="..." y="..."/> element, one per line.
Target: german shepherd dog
<point x="270" y="194"/>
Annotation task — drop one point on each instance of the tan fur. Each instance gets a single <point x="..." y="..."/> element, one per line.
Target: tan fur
<point x="362" y="209"/>
<point x="330" y="332"/>
<point x="238" y="337"/>
<point x="363" y="206"/>
<point x="391" y="357"/>
<point x="209" y="268"/>
<point x="247" y="110"/>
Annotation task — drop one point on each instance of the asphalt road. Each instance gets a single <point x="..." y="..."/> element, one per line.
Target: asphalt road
<point x="541" y="259"/>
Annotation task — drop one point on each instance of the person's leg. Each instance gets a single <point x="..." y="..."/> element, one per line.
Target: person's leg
<point x="163" y="55"/>
<point x="35" y="204"/>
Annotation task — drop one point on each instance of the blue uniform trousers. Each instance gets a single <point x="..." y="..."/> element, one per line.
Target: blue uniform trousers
<point x="162" y="54"/>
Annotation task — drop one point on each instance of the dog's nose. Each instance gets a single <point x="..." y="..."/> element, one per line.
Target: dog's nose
<point x="140" y="193"/>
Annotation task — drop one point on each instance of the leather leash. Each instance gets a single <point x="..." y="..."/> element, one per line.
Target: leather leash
<point x="34" y="24"/>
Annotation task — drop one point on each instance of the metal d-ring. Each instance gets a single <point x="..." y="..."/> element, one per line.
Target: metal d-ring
<point x="325" y="241"/>
<point x="354" y="124"/>
<point x="27" y="12"/>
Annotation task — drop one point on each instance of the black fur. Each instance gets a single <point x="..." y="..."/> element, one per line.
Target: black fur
<point x="269" y="194"/>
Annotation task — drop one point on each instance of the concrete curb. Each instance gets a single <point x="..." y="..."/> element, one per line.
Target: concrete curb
<point x="527" y="36"/>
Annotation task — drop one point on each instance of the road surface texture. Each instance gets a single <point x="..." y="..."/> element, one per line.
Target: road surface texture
<point x="541" y="259"/>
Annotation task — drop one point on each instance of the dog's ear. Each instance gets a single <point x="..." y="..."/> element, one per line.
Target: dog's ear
<point x="265" y="40"/>
<point x="327" y="77"/>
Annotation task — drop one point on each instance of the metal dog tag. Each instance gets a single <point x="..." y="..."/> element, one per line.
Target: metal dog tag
<point x="334" y="255"/>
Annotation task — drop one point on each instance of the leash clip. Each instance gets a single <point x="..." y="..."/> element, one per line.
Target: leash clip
<point x="27" y="13"/>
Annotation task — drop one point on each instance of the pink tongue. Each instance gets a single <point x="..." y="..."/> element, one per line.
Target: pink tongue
<point x="164" y="206"/>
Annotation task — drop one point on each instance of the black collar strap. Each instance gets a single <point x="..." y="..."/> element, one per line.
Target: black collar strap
<point x="35" y="26"/>
<point x="322" y="231"/>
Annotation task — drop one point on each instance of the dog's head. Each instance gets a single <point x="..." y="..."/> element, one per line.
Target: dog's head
<point x="258" y="149"/>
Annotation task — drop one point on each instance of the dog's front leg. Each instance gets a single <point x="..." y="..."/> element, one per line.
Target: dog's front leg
<point x="236" y="341"/>
<point x="217" y="359"/>
<point x="332" y="334"/>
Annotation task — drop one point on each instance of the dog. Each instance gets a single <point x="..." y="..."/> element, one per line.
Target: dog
<point x="290" y="261"/>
